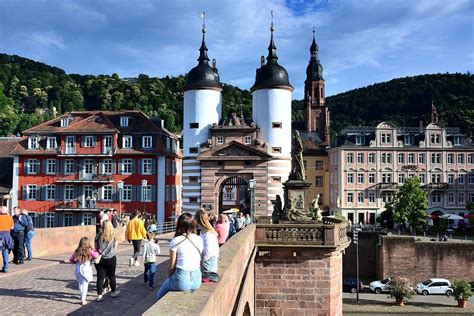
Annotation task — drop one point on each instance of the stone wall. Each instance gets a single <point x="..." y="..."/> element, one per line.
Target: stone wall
<point x="298" y="281"/>
<point x="50" y="241"/>
<point x="419" y="260"/>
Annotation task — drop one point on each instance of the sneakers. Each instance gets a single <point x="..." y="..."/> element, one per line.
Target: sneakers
<point x="137" y="263"/>
<point x="100" y="298"/>
<point x="115" y="294"/>
<point x="83" y="303"/>
<point x="131" y="262"/>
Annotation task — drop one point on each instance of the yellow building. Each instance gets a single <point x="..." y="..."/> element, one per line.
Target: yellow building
<point x="317" y="172"/>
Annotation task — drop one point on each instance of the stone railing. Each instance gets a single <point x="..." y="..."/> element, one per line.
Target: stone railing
<point x="331" y="232"/>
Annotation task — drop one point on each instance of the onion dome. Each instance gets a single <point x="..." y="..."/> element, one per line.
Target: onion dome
<point x="314" y="71"/>
<point x="271" y="75"/>
<point x="203" y="76"/>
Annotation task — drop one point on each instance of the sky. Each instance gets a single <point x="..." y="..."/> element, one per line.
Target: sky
<point x="361" y="42"/>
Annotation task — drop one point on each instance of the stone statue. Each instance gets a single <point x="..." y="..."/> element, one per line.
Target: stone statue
<point x="293" y="213"/>
<point x="314" y="209"/>
<point x="297" y="167"/>
<point x="277" y="210"/>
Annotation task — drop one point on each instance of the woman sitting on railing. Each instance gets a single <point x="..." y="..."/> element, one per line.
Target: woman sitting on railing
<point x="209" y="238"/>
<point x="186" y="249"/>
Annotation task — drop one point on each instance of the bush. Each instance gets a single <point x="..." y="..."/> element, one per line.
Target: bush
<point x="400" y="289"/>
<point x="461" y="290"/>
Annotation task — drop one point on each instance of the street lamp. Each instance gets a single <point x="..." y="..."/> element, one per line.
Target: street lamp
<point x="355" y="237"/>
<point x="144" y="185"/>
<point x="252" y="184"/>
<point x="120" y="189"/>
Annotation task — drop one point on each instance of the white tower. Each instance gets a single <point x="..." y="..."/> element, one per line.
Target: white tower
<point x="202" y="108"/>
<point x="271" y="111"/>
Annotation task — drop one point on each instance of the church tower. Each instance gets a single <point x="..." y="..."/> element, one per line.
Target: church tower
<point x="202" y="108"/>
<point x="271" y="112"/>
<point x="316" y="112"/>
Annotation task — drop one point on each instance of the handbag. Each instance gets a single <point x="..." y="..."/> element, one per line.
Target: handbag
<point x="96" y="260"/>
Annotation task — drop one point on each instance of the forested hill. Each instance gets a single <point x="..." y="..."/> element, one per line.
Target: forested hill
<point x="29" y="91"/>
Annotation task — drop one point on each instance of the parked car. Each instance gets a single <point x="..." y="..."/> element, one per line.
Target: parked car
<point x="472" y="285"/>
<point x="434" y="286"/>
<point x="350" y="285"/>
<point x="380" y="286"/>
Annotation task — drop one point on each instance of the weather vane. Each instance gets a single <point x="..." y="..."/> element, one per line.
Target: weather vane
<point x="271" y="26"/>
<point x="203" y="17"/>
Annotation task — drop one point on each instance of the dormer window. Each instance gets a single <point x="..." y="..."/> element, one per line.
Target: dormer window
<point x="248" y="140"/>
<point x="220" y="140"/>
<point x="127" y="142"/>
<point x="66" y="121"/>
<point x="435" y="138"/>
<point x="51" y="143"/>
<point x="33" y="142"/>
<point x="359" y="139"/>
<point x="385" y="138"/>
<point x="409" y="139"/>
<point x="458" y="140"/>
<point x="124" y="121"/>
<point x="146" y="142"/>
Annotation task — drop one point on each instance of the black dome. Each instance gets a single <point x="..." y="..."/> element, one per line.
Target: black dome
<point x="271" y="75"/>
<point x="314" y="71"/>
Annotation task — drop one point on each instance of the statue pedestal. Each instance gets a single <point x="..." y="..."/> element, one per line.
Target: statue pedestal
<point x="297" y="191"/>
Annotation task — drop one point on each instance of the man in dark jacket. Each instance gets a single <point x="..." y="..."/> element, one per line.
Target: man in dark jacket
<point x="18" y="235"/>
<point x="29" y="234"/>
<point x="6" y="241"/>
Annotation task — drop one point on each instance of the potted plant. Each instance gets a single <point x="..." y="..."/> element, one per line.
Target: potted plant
<point x="400" y="290"/>
<point x="462" y="292"/>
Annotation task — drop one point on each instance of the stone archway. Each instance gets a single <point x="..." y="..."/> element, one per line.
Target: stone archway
<point x="233" y="193"/>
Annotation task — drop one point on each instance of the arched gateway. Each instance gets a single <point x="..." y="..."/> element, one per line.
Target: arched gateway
<point x="234" y="194"/>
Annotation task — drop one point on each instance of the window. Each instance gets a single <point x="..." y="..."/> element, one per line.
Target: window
<point x="127" y="166"/>
<point x="319" y="165"/>
<point x="319" y="181"/>
<point x="461" y="198"/>
<point x="360" y="197"/>
<point x="371" y="197"/>
<point x="435" y="138"/>
<point x="248" y="140"/>
<point x="32" y="166"/>
<point x="108" y="165"/>
<point x="146" y="193"/>
<point x="70" y="145"/>
<point x="193" y="150"/>
<point x="65" y="121"/>
<point x="68" y="219"/>
<point x="385" y="138"/>
<point x="422" y="178"/>
<point x="51" y="143"/>
<point x="372" y="158"/>
<point x="350" y="197"/>
<point x="470" y="158"/>
<point x="68" y="192"/>
<point x="360" y="178"/>
<point x="276" y="179"/>
<point x="436" y="198"/>
<point x="87" y="219"/>
<point x="386" y="178"/>
<point x="88" y="141"/>
<point x="458" y="140"/>
<point x="386" y="197"/>
<point x="146" y="141"/>
<point x="220" y="140"/>
<point x="371" y="177"/>
<point x="409" y="139"/>
<point x="411" y="158"/>
<point x="127" y="142"/>
<point x="360" y="158"/>
<point x="107" y="193"/>
<point x="436" y="178"/>
<point x="451" y="178"/>
<point x="350" y="158"/>
<point x="435" y="158"/>
<point x="124" y="121"/>
<point x="50" y="192"/>
<point x="31" y="192"/>
<point x="147" y="166"/>
<point x="460" y="158"/>
<point x="461" y="178"/>
<point x="470" y="197"/>
<point x="276" y="124"/>
<point x="50" y="166"/>
<point x="421" y="158"/>
<point x="350" y="178"/>
<point x="69" y="166"/>
<point x="386" y="158"/>
<point x="401" y="158"/>
<point x="401" y="178"/>
<point x="470" y="178"/>
<point x="276" y="150"/>
<point x="33" y="142"/>
<point x="193" y="199"/>
<point x="451" y="198"/>
<point x="127" y="193"/>
<point x="193" y="125"/>
<point x="359" y="140"/>
<point x="49" y="220"/>
<point x="193" y="179"/>
<point x="450" y="158"/>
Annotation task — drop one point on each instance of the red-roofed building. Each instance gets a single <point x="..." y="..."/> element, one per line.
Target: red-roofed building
<point x="69" y="168"/>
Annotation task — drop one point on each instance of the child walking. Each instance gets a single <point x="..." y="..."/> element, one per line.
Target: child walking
<point x="82" y="257"/>
<point x="150" y="250"/>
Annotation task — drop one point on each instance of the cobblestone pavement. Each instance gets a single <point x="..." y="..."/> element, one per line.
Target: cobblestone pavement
<point x="45" y="286"/>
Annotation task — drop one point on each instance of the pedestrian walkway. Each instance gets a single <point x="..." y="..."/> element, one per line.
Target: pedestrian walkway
<point x="47" y="286"/>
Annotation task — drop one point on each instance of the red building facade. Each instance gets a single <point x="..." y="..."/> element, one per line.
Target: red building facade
<point x="69" y="168"/>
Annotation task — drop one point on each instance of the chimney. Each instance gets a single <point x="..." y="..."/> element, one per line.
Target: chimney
<point x="421" y="126"/>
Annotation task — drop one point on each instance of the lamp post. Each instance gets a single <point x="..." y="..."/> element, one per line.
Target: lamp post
<point x="355" y="237"/>
<point x="252" y="184"/>
<point x="120" y="189"/>
<point x="144" y="185"/>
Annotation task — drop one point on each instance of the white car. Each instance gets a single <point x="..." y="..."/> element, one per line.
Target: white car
<point x="380" y="286"/>
<point x="434" y="286"/>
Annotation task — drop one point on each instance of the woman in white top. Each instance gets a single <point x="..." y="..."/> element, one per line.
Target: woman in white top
<point x="209" y="238"/>
<point x="185" y="258"/>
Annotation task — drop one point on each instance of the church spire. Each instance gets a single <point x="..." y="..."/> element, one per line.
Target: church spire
<point x="203" y="49"/>
<point x="272" y="56"/>
<point x="314" y="47"/>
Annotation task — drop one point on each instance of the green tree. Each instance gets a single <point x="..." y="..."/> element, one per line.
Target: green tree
<point x="410" y="204"/>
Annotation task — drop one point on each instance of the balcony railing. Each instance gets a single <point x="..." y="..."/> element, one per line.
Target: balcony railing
<point x="330" y="233"/>
<point x="436" y="186"/>
<point x="75" y="205"/>
<point x="78" y="177"/>
<point x="386" y="186"/>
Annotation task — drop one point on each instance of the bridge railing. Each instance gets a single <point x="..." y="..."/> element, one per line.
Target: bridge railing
<point x="166" y="227"/>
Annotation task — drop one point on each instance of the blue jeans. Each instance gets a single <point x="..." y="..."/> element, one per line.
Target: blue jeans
<point x="149" y="275"/>
<point x="210" y="265"/>
<point x="5" y="253"/>
<point x="181" y="280"/>
<point x="28" y="237"/>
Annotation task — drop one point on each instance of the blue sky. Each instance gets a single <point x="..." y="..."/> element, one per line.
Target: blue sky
<point x="361" y="42"/>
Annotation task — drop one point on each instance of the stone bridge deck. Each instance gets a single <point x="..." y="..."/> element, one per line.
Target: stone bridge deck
<point x="46" y="286"/>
